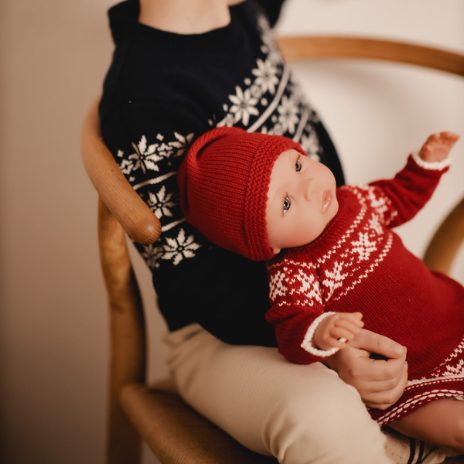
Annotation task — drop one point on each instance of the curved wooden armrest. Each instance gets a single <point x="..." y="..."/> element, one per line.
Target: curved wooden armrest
<point x="310" y="47"/>
<point x="447" y="240"/>
<point x="128" y="208"/>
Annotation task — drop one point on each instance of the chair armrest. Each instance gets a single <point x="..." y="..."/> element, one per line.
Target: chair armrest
<point x="127" y="207"/>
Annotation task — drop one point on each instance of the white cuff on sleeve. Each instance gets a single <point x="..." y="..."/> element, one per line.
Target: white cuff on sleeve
<point x="307" y="343"/>
<point x="432" y="165"/>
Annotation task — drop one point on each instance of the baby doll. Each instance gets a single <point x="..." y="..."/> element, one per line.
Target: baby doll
<point x="330" y="251"/>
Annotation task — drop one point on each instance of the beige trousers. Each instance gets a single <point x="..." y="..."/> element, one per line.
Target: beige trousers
<point x="300" y="414"/>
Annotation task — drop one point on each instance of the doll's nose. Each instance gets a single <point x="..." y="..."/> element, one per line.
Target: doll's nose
<point x="308" y="189"/>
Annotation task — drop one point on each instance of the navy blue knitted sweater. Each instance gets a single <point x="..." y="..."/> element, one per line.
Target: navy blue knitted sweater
<point x="161" y="91"/>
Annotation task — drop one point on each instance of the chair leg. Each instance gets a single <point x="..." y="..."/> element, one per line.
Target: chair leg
<point x="124" y="445"/>
<point x="127" y="336"/>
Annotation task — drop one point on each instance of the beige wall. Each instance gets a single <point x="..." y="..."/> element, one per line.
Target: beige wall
<point x="377" y="112"/>
<point x="53" y="322"/>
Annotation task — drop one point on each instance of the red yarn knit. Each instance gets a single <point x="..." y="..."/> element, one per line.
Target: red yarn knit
<point x="223" y="183"/>
<point x="359" y="264"/>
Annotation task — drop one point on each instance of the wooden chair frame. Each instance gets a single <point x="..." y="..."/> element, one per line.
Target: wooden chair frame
<point x="174" y="432"/>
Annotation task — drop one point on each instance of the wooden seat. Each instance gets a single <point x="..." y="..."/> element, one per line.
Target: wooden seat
<point x="175" y="432"/>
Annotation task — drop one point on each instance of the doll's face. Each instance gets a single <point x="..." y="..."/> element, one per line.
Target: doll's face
<point x="301" y="200"/>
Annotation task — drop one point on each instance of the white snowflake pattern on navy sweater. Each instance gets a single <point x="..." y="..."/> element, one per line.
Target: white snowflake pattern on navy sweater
<point x="269" y="101"/>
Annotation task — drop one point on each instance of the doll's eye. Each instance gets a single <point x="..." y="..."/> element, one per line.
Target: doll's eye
<point x="298" y="165"/>
<point x="286" y="204"/>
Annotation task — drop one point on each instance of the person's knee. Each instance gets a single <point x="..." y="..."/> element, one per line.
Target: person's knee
<point x="313" y="421"/>
<point x="329" y="428"/>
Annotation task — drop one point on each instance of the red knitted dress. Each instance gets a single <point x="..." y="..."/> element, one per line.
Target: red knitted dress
<point x="359" y="264"/>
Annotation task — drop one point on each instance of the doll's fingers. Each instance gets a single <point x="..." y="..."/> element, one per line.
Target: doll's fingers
<point x="339" y="342"/>
<point x="329" y="342"/>
<point x="432" y="138"/>
<point x="425" y="151"/>
<point x="354" y="330"/>
<point x="449" y="137"/>
<point x="340" y="332"/>
<point x="353" y="317"/>
<point x="441" y="138"/>
<point x="353" y="326"/>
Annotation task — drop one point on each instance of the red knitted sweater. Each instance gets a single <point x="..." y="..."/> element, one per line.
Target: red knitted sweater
<point x="359" y="264"/>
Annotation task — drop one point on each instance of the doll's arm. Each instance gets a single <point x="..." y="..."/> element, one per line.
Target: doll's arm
<point x="399" y="199"/>
<point x="304" y="332"/>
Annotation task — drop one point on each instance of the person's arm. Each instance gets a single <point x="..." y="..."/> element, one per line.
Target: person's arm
<point x="147" y="140"/>
<point x="380" y="382"/>
<point x="396" y="201"/>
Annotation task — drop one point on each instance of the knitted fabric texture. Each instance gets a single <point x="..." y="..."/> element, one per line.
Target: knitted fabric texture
<point x="359" y="264"/>
<point x="149" y="118"/>
<point x="223" y="183"/>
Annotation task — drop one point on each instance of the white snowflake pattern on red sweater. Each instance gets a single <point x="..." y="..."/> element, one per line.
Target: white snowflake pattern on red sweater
<point x="360" y="264"/>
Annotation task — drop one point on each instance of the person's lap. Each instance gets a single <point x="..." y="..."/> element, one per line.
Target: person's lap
<point x="300" y="414"/>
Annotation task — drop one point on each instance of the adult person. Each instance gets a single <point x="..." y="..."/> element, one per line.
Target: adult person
<point x="179" y="68"/>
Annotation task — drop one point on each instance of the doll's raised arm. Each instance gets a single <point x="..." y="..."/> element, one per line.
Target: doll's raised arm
<point x="399" y="199"/>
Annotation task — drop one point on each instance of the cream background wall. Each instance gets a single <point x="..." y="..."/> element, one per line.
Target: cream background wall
<point x="53" y="320"/>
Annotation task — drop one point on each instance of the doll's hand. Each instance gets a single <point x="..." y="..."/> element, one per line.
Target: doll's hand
<point x="337" y="330"/>
<point x="438" y="146"/>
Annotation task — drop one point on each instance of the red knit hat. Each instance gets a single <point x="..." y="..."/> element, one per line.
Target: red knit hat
<point x="223" y="183"/>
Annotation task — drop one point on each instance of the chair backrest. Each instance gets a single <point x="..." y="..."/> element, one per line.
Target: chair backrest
<point x="136" y="217"/>
<point x="312" y="47"/>
<point x="122" y="212"/>
<point x="446" y="242"/>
